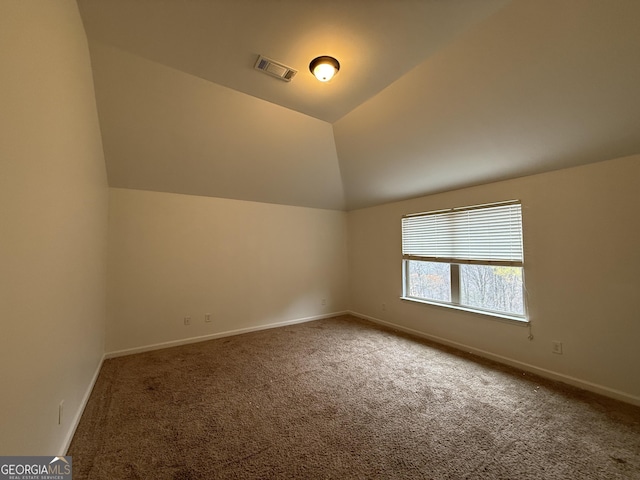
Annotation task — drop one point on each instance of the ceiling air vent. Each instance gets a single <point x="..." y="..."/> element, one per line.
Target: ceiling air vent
<point x="275" y="69"/>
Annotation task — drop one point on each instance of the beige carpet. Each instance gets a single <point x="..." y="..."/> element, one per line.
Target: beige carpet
<point x="339" y="399"/>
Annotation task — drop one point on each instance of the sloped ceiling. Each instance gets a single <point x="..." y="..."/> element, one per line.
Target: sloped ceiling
<point x="165" y="130"/>
<point x="541" y="85"/>
<point x="432" y="94"/>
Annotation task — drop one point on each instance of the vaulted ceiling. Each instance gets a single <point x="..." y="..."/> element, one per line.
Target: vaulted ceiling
<point x="432" y="95"/>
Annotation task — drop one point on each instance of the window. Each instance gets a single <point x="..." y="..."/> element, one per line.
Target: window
<point x="468" y="257"/>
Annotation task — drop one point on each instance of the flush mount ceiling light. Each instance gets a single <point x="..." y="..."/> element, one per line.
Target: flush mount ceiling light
<point x="324" y="68"/>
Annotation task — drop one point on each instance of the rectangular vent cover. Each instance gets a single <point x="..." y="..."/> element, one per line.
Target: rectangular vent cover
<point x="275" y="69"/>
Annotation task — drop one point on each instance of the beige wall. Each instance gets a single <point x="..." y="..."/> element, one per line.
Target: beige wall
<point x="53" y="225"/>
<point x="247" y="264"/>
<point x="582" y="261"/>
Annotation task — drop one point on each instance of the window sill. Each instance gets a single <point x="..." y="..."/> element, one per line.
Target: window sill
<point x="492" y="315"/>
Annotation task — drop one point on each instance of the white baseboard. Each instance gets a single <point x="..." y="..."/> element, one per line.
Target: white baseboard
<point x="76" y="419"/>
<point x="229" y="333"/>
<point x="543" y="372"/>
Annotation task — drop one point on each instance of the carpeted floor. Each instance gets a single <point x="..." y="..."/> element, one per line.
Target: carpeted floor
<point x="338" y="399"/>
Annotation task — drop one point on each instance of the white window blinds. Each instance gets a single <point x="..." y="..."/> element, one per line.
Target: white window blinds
<point x="483" y="234"/>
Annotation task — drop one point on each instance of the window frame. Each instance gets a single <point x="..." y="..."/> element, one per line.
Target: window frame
<point x="454" y="269"/>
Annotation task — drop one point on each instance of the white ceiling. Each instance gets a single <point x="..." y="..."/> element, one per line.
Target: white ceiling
<point x="432" y="94"/>
<point x="376" y="41"/>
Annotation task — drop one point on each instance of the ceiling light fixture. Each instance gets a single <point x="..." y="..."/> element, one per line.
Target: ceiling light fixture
<point x="324" y="68"/>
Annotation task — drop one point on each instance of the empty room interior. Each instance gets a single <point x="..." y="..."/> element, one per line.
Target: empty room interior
<point x="217" y="263"/>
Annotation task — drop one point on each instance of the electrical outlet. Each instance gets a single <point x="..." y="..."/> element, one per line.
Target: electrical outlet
<point x="556" y="347"/>
<point x="207" y="317"/>
<point x="60" y="412"/>
<point x="324" y="301"/>
<point x="187" y="320"/>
